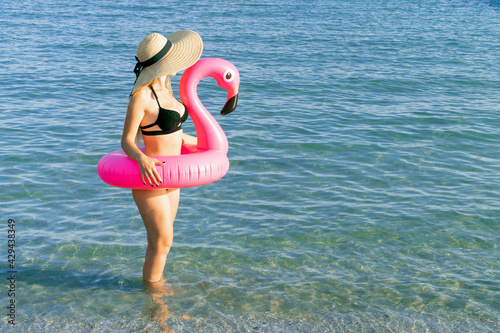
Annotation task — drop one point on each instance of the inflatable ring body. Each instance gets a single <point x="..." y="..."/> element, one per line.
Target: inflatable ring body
<point x="196" y="165"/>
<point x="193" y="167"/>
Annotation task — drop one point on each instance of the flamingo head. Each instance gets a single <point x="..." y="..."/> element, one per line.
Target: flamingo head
<point x="227" y="77"/>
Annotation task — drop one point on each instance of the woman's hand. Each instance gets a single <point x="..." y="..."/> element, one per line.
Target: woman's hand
<point x="148" y="170"/>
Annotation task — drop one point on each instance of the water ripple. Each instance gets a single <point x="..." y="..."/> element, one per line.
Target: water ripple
<point x="363" y="188"/>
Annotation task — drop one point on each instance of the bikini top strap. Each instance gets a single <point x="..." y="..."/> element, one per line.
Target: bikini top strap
<point x="154" y="93"/>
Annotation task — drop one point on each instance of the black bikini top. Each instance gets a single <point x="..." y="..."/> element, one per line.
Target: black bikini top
<point x="169" y="121"/>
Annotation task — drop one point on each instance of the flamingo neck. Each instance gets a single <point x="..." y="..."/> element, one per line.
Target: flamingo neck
<point x="209" y="133"/>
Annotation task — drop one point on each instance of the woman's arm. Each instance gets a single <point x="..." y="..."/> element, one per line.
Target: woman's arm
<point x="135" y="113"/>
<point x="134" y="116"/>
<point x="189" y="139"/>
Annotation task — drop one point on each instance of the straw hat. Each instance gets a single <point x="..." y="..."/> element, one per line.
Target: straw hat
<point x="158" y="56"/>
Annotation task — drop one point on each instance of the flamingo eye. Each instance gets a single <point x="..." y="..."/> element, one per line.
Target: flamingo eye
<point x="229" y="76"/>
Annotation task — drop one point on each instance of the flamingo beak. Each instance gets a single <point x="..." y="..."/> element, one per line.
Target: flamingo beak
<point x="230" y="105"/>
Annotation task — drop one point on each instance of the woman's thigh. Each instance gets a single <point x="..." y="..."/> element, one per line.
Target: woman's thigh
<point x="156" y="212"/>
<point x="173" y="197"/>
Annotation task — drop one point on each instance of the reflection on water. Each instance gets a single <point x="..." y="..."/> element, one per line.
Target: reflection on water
<point x="156" y="307"/>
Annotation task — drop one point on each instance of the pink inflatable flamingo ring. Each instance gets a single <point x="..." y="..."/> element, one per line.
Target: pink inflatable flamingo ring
<point x="199" y="164"/>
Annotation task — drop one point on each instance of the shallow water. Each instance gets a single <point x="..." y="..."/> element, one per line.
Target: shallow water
<point x="363" y="189"/>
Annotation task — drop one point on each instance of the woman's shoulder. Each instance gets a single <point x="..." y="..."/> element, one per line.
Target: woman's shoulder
<point x="141" y="101"/>
<point x="141" y="95"/>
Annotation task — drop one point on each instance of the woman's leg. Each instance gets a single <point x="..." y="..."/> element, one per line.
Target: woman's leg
<point x="173" y="196"/>
<point x="158" y="209"/>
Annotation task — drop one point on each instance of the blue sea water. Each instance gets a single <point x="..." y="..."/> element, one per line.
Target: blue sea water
<point x="363" y="193"/>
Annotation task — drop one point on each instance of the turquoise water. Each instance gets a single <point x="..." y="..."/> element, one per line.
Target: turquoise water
<point x="363" y="193"/>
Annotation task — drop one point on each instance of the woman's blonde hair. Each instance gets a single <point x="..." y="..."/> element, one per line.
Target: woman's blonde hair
<point x="168" y="84"/>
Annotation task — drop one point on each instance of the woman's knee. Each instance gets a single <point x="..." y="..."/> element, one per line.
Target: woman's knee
<point x="161" y="244"/>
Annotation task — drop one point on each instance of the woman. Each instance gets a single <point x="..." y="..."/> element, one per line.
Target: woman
<point x="154" y="112"/>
